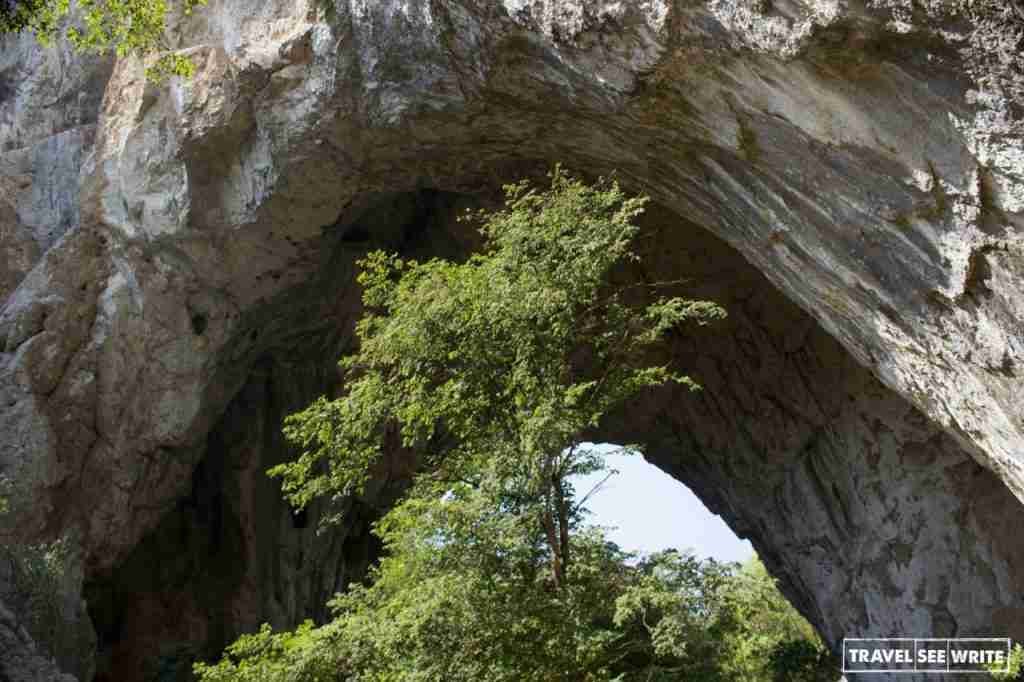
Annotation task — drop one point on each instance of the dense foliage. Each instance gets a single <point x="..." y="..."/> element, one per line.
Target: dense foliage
<point x="1013" y="669"/>
<point x="669" y="617"/>
<point x="124" y="27"/>
<point x="491" y="371"/>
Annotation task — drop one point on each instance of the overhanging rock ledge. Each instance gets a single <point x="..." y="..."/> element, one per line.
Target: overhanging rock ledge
<point x="177" y="273"/>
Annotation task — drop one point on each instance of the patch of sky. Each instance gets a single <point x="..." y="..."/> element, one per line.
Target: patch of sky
<point x="646" y="510"/>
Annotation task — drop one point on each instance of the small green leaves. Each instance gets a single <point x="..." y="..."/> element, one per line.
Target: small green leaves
<point x="170" y="65"/>
<point x="124" y="27"/>
<point x="1012" y="668"/>
<point x="486" y="374"/>
<point x="480" y="357"/>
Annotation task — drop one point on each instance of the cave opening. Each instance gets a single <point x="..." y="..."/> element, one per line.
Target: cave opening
<point x="232" y="553"/>
<point x="791" y="443"/>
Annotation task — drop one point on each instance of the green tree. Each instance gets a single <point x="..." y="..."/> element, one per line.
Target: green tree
<point x="674" y="615"/>
<point x="769" y="638"/>
<point x="492" y="371"/>
<point x="124" y="27"/>
<point x="496" y="366"/>
<point x="802" y="660"/>
<point x="717" y="622"/>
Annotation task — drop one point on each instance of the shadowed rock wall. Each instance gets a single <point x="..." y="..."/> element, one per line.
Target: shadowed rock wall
<point x="232" y="554"/>
<point x="874" y="518"/>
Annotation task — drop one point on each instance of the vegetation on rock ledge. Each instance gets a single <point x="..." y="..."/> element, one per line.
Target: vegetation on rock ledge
<point x="124" y="27"/>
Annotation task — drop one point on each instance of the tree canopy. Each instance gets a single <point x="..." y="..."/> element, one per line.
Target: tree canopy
<point x="491" y="372"/>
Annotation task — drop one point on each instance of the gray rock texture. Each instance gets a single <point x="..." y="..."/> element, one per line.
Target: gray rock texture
<point x="846" y="176"/>
<point x="45" y="632"/>
<point x="23" y="660"/>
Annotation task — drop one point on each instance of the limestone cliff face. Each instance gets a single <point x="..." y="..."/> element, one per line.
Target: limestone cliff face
<point x="846" y="176"/>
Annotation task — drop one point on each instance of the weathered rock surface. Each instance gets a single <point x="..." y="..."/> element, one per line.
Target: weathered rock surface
<point x="177" y="263"/>
<point x="22" y="660"/>
<point x="45" y="632"/>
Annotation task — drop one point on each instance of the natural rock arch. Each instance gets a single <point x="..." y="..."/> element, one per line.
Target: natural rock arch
<point x="859" y="421"/>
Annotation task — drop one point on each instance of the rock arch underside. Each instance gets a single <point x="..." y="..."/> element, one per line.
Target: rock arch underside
<point x="845" y="177"/>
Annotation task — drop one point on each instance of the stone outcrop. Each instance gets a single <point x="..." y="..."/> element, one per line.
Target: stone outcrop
<point x="846" y="176"/>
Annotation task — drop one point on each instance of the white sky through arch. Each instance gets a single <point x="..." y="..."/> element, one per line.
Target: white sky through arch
<point x="653" y="511"/>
